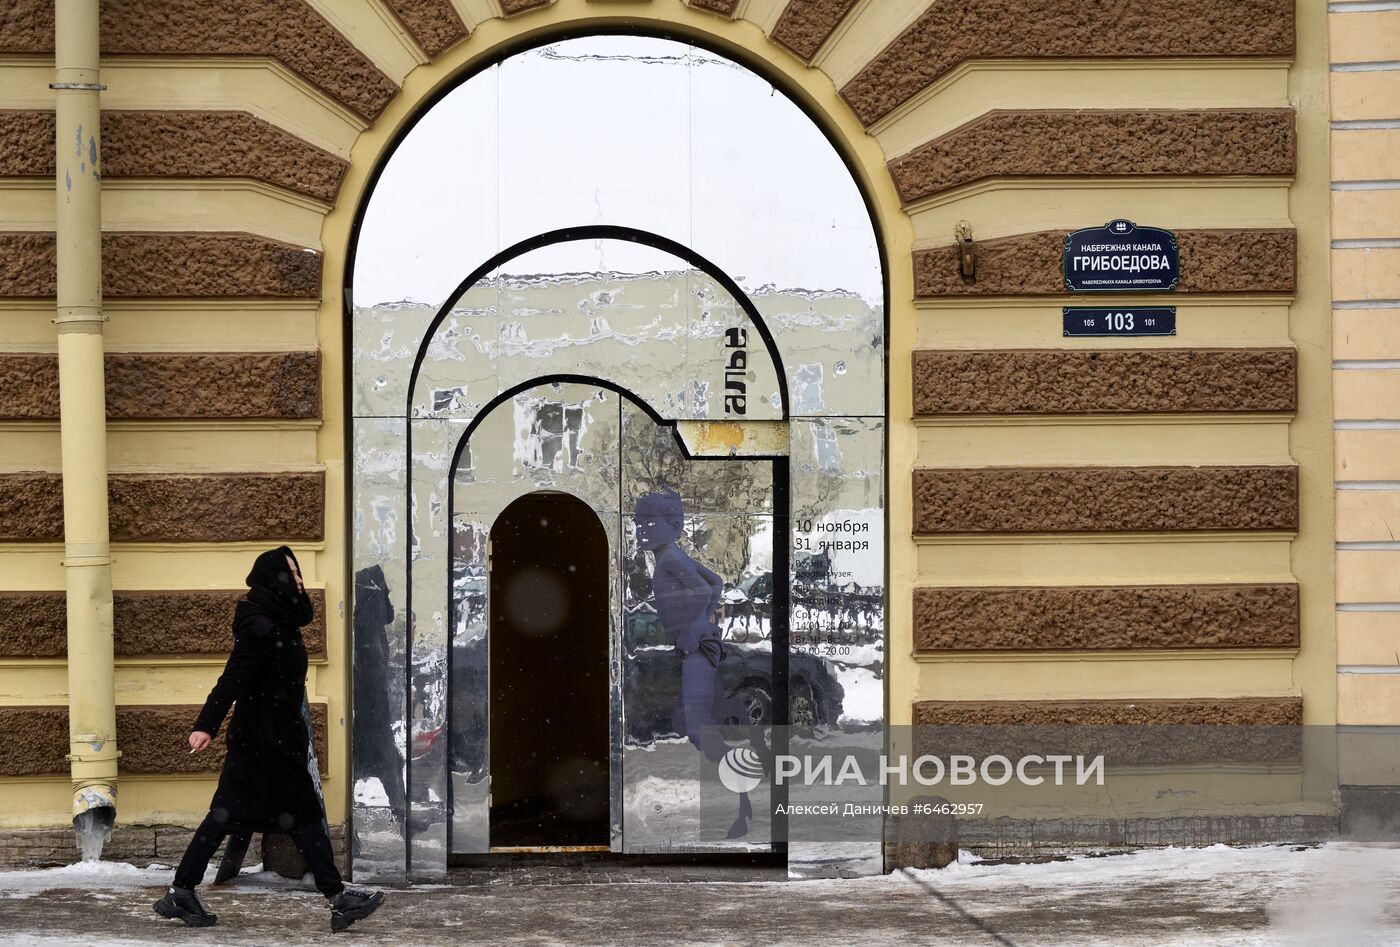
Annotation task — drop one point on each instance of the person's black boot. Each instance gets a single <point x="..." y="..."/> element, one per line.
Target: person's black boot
<point x="351" y="905"/>
<point x="184" y="904"/>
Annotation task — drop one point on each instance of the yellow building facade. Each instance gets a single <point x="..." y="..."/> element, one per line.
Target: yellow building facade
<point x="1189" y="530"/>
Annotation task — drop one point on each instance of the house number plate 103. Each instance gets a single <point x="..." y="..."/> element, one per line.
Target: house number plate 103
<point x="1120" y="321"/>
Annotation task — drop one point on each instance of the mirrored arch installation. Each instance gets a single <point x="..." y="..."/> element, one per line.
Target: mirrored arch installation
<point x="628" y="269"/>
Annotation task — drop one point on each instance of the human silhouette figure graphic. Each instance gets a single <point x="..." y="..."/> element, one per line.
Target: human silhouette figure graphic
<point x="687" y="595"/>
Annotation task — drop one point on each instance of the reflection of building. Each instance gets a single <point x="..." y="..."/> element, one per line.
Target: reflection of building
<point x="1054" y="528"/>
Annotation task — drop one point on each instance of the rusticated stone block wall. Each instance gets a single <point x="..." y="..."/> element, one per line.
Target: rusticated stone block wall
<point x="722" y="7"/>
<point x="512" y="7"/>
<point x="179" y="144"/>
<point x="1176" y="712"/>
<point x="280" y="385"/>
<point x="197" y="621"/>
<point x="288" y="31"/>
<point x="174" y="508"/>
<point x="1090" y="618"/>
<point x="1104" y="499"/>
<point x="806" y="24"/>
<point x="154" y="740"/>
<point x="139" y="845"/>
<point x="1104" y="381"/>
<point x="955" y="31"/>
<point x="1090" y="143"/>
<point x="434" y="25"/>
<point x="169" y="264"/>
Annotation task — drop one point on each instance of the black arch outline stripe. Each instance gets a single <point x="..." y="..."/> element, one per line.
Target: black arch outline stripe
<point x="552" y="238"/>
<point x="779" y="633"/>
<point x="604" y="232"/>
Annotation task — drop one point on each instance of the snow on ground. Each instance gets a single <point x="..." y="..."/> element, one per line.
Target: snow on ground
<point x="369" y="791"/>
<point x="1336" y="894"/>
<point x="1274" y="896"/>
<point x="89" y="875"/>
<point x="865" y="695"/>
<point x="100" y="876"/>
<point x="1324" y="896"/>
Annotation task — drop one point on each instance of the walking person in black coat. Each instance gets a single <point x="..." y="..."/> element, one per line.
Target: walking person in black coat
<point x="270" y="780"/>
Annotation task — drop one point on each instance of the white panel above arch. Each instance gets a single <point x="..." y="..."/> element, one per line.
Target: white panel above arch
<point x="702" y="151"/>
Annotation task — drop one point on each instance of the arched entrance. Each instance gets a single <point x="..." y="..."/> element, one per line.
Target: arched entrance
<point x="548" y="643"/>
<point x="599" y="457"/>
<point x="472" y="365"/>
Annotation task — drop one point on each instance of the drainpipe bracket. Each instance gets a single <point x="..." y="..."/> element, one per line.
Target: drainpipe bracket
<point x="93" y="770"/>
<point x="80" y="86"/>
<point x="93" y="752"/>
<point x="70" y="315"/>
<point x="78" y="562"/>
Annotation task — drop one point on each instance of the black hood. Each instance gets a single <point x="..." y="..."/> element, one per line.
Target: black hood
<point x="273" y="587"/>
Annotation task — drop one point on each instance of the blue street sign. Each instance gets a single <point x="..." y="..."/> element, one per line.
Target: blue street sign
<point x="1121" y="257"/>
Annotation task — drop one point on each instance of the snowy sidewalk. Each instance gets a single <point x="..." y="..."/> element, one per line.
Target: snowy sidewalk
<point x="1337" y="894"/>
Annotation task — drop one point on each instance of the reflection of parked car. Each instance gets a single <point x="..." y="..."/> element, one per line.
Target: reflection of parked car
<point x="652" y="681"/>
<point x="652" y="686"/>
<point x="757" y="586"/>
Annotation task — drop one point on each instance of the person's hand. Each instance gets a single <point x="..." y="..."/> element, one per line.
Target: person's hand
<point x="199" y="740"/>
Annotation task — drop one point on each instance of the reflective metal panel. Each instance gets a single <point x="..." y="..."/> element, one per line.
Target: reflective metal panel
<point x="384" y="343"/>
<point x="837" y="616"/>
<point x="764" y="173"/>
<point x="832" y="344"/>
<point x="652" y="459"/>
<point x="459" y="374"/>
<point x="695" y="148"/>
<point x="631" y="148"/>
<point x="433" y="444"/>
<point x="379" y="631"/>
<point x="728" y="367"/>
<point x="720" y="534"/>
<point x="557" y="436"/>
<point x="424" y="230"/>
<point x="470" y="691"/>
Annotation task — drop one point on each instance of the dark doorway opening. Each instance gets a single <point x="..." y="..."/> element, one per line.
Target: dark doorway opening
<point x="548" y="600"/>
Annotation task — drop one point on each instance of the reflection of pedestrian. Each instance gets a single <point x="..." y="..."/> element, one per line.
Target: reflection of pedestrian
<point x="269" y="781"/>
<point x="376" y="753"/>
<point x="687" y="595"/>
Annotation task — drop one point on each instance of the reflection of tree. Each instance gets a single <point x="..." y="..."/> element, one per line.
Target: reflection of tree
<point x="723" y="544"/>
<point x="651" y="459"/>
<point x="715" y="493"/>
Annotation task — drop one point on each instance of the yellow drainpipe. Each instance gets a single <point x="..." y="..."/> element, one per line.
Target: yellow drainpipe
<point x="92" y="721"/>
